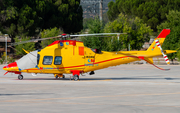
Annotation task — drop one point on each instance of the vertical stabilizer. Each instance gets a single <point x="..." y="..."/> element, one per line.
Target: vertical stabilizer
<point x="161" y="37"/>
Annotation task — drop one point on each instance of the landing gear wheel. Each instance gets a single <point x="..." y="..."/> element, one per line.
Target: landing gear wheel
<point x="76" y="77"/>
<point x="20" y="77"/>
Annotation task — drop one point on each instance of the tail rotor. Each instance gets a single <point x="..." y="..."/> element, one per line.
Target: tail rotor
<point x="165" y="56"/>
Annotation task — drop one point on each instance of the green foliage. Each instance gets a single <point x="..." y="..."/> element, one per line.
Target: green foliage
<point x="95" y="42"/>
<point x="29" y="17"/>
<point x="28" y="46"/>
<point x="89" y="21"/>
<point x="172" y="41"/>
<point x="151" y="11"/>
<point x="137" y="31"/>
<point x="95" y="26"/>
<point x="49" y="33"/>
<point x="105" y="18"/>
<point x="3" y="59"/>
<point x="86" y="22"/>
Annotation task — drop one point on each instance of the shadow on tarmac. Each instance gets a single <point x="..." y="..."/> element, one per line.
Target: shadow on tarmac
<point x="97" y="79"/>
<point x="25" y="94"/>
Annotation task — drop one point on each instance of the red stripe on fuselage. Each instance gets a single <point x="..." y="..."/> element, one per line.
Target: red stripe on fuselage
<point x="93" y="63"/>
<point x="115" y="59"/>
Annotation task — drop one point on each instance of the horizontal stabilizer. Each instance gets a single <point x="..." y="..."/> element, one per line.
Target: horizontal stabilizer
<point x="169" y="51"/>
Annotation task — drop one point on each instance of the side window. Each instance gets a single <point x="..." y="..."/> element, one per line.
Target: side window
<point x="58" y="60"/>
<point x="38" y="58"/>
<point x="47" y="60"/>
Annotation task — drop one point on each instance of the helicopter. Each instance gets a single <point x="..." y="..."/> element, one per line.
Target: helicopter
<point x="72" y="57"/>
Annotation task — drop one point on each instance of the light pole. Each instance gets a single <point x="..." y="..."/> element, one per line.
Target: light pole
<point x="6" y="35"/>
<point x="101" y="10"/>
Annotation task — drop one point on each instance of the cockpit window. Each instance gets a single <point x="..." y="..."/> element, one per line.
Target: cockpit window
<point x="58" y="60"/>
<point x="38" y="58"/>
<point x="47" y="60"/>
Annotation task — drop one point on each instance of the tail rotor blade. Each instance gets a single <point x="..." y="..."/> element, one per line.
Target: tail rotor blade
<point x="165" y="56"/>
<point x="166" y="59"/>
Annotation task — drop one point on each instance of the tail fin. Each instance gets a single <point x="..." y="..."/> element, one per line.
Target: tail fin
<point x="156" y="50"/>
<point x="161" y="38"/>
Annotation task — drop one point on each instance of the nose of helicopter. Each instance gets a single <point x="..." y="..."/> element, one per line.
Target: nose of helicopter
<point x="11" y="67"/>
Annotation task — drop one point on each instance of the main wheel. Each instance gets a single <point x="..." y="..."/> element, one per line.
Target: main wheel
<point x="57" y="76"/>
<point x="20" y="77"/>
<point x="76" y="77"/>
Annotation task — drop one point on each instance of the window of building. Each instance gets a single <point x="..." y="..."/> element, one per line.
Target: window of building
<point x="58" y="60"/>
<point x="47" y="60"/>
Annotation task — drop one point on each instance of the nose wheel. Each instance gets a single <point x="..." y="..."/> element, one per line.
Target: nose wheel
<point x="20" y="77"/>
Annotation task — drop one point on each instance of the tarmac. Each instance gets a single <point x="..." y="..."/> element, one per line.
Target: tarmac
<point x="122" y="89"/>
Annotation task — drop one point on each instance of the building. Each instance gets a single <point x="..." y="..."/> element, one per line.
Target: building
<point x="91" y="7"/>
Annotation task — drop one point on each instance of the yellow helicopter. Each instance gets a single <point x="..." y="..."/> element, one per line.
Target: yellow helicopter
<point x="72" y="57"/>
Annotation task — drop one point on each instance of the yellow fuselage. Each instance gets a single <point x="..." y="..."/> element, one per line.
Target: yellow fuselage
<point x="77" y="57"/>
<point x="68" y="56"/>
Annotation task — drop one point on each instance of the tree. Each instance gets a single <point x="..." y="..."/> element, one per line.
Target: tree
<point x="137" y="31"/>
<point x="86" y="22"/>
<point x="152" y="12"/>
<point x="95" y="26"/>
<point x="172" y="41"/>
<point x="29" y="17"/>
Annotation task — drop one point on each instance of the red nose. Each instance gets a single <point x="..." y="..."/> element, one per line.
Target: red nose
<point x="14" y="64"/>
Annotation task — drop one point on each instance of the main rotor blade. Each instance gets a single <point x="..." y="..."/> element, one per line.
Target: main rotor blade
<point x="97" y="34"/>
<point x="64" y="36"/>
<point x="35" y="40"/>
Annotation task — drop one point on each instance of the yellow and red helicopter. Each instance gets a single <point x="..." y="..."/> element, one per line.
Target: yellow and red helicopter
<point x="72" y="57"/>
